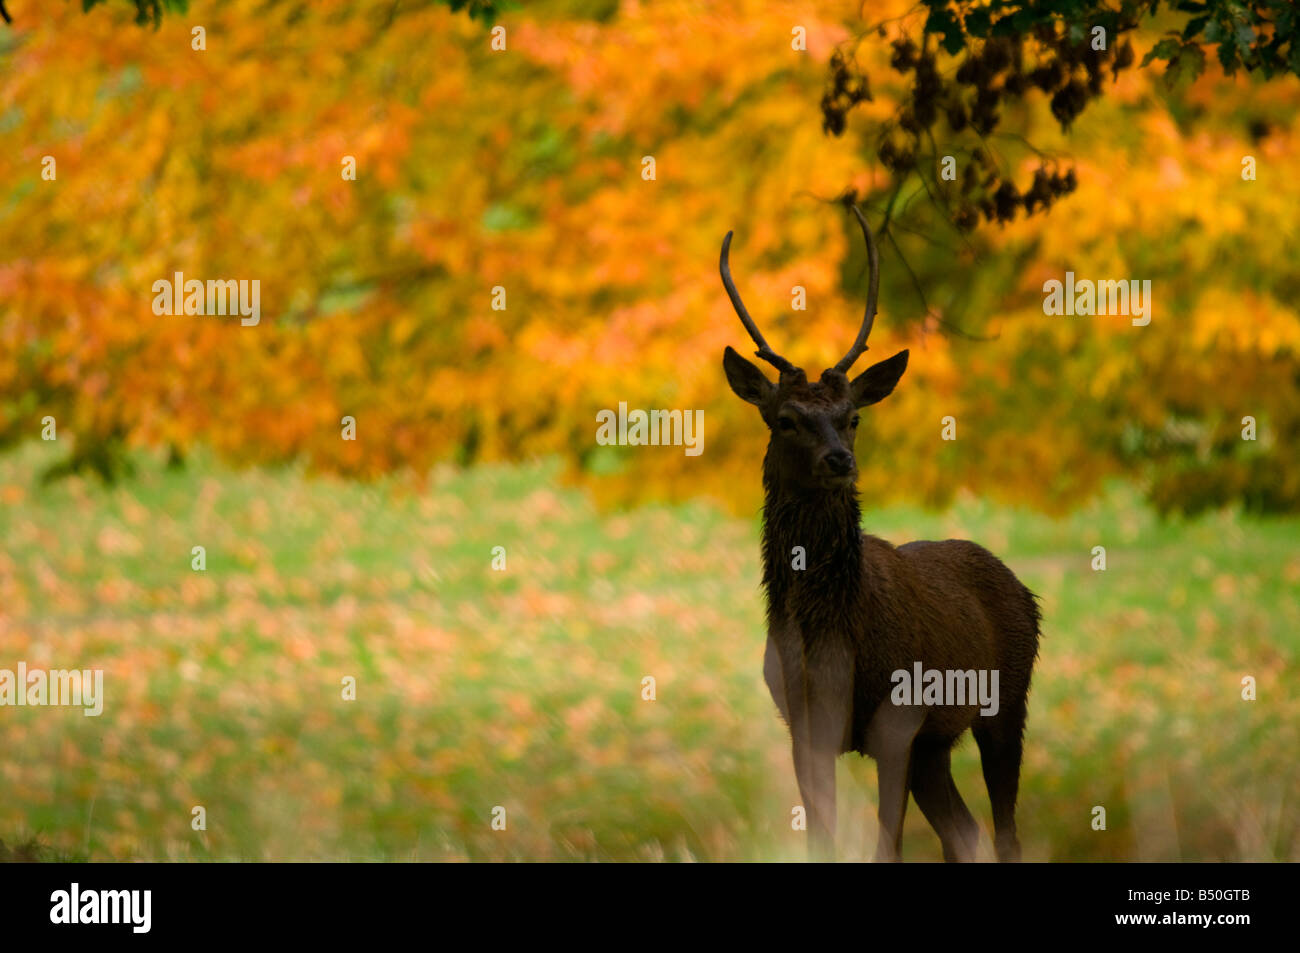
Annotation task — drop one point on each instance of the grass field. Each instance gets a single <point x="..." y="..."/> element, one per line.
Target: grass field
<point x="522" y="689"/>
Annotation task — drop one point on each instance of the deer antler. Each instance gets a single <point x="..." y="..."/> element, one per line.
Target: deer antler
<point x="764" y="352"/>
<point x="869" y="317"/>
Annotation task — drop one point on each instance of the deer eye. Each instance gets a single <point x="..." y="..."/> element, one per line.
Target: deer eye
<point x="854" y="421"/>
<point x="787" y="424"/>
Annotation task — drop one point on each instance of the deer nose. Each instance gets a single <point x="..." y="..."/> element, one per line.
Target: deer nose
<point x="839" y="462"/>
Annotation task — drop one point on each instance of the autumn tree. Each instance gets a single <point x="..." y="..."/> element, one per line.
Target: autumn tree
<point x="461" y="246"/>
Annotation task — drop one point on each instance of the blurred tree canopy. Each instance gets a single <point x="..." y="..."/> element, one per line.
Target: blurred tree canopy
<point x="151" y="11"/>
<point x="522" y="169"/>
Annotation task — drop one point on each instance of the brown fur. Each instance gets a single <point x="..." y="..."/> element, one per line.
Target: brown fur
<point x="863" y="609"/>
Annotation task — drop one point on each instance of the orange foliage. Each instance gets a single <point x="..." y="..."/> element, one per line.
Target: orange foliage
<point x="522" y="169"/>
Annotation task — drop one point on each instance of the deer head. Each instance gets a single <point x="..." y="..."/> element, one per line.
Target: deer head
<point x="812" y="426"/>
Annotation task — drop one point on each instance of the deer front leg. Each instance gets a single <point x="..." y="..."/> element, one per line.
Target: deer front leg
<point x="774" y="675"/>
<point x="890" y="735"/>
<point x="819" y="699"/>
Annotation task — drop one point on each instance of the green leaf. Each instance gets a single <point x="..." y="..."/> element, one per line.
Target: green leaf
<point x="1194" y="26"/>
<point x="502" y="216"/>
<point x="1228" y="57"/>
<point x="1184" y="67"/>
<point x="1166" y="49"/>
<point x="1006" y="26"/>
<point x="942" y="21"/>
<point x="977" y="22"/>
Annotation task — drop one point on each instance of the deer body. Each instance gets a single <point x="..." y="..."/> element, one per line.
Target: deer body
<point x="860" y="610"/>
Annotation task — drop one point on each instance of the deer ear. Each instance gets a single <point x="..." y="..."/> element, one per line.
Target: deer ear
<point x="878" y="381"/>
<point x="748" y="382"/>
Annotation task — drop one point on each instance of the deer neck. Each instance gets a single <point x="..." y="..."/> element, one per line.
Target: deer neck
<point x="826" y="525"/>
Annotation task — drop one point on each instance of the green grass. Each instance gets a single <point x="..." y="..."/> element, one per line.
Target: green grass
<point x="522" y="688"/>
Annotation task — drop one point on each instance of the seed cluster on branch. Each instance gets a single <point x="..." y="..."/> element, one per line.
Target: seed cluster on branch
<point x="1064" y="65"/>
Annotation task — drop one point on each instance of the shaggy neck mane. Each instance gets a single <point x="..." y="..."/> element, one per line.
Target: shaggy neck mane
<point x="826" y="524"/>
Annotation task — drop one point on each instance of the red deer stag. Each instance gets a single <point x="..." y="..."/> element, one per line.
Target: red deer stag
<point x="858" y="612"/>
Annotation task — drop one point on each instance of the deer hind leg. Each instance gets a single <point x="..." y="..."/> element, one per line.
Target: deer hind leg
<point x="891" y="780"/>
<point x="937" y="797"/>
<point x="1001" y="745"/>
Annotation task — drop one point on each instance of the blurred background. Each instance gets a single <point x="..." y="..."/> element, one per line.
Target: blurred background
<point x="487" y="175"/>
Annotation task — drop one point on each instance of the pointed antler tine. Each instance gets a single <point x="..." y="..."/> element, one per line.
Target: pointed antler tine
<point x="764" y="352"/>
<point x="869" y="317"/>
